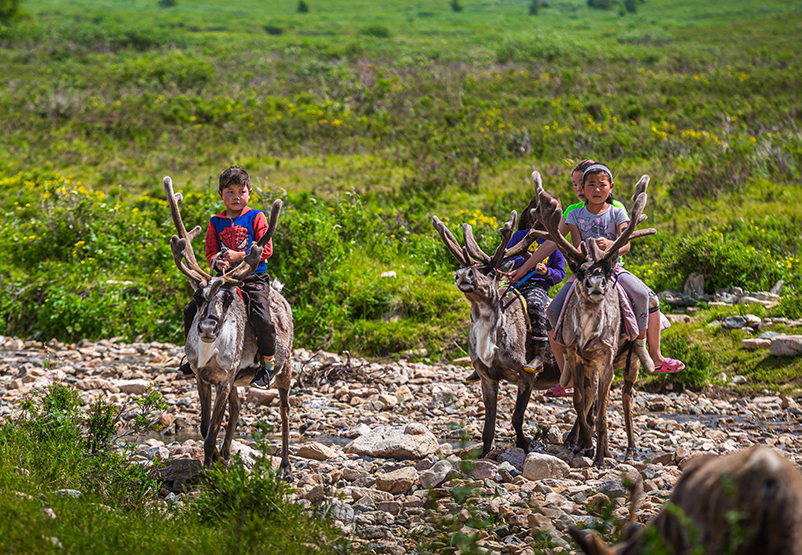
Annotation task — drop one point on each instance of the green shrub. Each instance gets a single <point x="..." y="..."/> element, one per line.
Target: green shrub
<point x="698" y="361"/>
<point x="456" y="6"/>
<point x="168" y="3"/>
<point x="303" y="7"/>
<point x="601" y="4"/>
<point x="9" y="9"/>
<point x="631" y="6"/>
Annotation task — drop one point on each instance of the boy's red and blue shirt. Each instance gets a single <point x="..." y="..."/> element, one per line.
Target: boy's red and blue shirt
<point x="238" y="234"/>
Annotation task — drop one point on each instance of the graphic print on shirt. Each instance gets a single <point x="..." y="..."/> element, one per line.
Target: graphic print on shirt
<point x="591" y="228"/>
<point x="235" y="237"/>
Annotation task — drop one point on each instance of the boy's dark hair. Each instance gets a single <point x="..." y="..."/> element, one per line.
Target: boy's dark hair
<point x="583" y="165"/>
<point x="234" y="176"/>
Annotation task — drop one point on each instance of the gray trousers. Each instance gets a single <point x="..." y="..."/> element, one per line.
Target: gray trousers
<point x="637" y="291"/>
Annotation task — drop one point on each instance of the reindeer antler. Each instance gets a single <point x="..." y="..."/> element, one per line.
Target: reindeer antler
<point x="181" y="244"/>
<point x="629" y="232"/>
<point x="451" y="243"/>
<point x="251" y="260"/>
<point x="549" y="214"/>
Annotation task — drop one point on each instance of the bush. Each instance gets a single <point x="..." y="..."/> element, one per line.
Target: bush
<point x="303" y="7"/>
<point x="168" y="3"/>
<point x="601" y="4"/>
<point x="534" y="6"/>
<point x="698" y="362"/>
<point x="273" y="30"/>
<point x="9" y="10"/>
<point x="631" y="6"/>
<point x="455" y="5"/>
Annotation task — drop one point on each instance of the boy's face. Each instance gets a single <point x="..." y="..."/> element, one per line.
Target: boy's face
<point x="235" y="197"/>
<point x="579" y="189"/>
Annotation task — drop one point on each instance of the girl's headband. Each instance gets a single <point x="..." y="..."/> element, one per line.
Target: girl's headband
<point x="594" y="168"/>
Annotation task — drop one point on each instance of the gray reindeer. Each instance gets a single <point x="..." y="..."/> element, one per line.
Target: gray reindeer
<point x="592" y="325"/>
<point x="221" y="346"/>
<point x="500" y="344"/>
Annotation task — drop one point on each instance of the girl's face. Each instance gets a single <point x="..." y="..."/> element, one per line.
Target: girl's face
<point x="579" y="189"/>
<point x="597" y="188"/>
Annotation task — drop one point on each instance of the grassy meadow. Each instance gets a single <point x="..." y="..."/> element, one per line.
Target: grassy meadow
<point x="367" y="119"/>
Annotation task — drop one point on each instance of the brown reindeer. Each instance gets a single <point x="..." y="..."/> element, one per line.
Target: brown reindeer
<point x="221" y="346"/>
<point x="499" y="342"/>
<point x="743" y="503"/>
<point x="592" y="326"/>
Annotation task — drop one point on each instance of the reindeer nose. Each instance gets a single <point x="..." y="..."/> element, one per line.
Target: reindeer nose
<point x="596" y="282"/>
<point x="207" y="325"/>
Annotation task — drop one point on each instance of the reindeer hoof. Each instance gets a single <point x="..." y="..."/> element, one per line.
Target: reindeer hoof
<point x="632" y="454"/>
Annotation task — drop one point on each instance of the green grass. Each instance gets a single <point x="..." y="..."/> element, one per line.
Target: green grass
<point x="368" y="119"/>
<point x="50" y="448"/>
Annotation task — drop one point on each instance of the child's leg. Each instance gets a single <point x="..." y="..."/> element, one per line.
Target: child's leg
<point x="259" y="316"/>
<point x="638" y="295"/>
<point x="189" y="316"/>
<point x="553" y="314"/>
<point x="653" y="332"/>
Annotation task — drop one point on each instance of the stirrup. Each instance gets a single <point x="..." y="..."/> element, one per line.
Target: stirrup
<point x="473" y="378"/>
<point x="535" y="366"/>
<point x="184" y="368"/>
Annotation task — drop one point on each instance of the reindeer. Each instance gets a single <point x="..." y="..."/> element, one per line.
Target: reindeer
<point x="221" y="346"/>
<point x="742" y="503"/>
<point x="592" y="328"/>
<point x="499" y="342"/>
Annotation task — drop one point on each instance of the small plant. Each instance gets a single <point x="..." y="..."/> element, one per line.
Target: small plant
<point x="534" y="7"/>
<point x="631" y="6"/>
<point x="9" y="10"/>
<point x="601" y="4"/>
<point x="168" y="3"/>
<point x="455" y="5"/>
<point x="273" y="30"/>
<point x="303" y="7"/>
<point x="378" y="31"/>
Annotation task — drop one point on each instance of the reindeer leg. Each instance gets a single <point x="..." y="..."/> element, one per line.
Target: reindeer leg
<point x="605" y="380"/>
<point x="210" y="452"/>
<point x="521" y="402"/>
<point x="205" y="397"/>
<point x="490" y="398"/>
<point x="231" y="427"/>
<point x="286" y="469"/>
<point x="629" y="384"/>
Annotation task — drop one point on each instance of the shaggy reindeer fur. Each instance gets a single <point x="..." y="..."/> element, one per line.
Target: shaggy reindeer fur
<point x="743" y="503"/>
<point x="221" y="346"/>
<point x="591" y="330"/>
<point x="499" y="342"/>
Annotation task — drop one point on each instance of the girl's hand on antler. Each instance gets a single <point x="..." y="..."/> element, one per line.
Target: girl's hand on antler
<point x="603" y="243"/>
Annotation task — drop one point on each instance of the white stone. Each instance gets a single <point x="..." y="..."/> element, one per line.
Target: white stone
<point x="539" y="466"/>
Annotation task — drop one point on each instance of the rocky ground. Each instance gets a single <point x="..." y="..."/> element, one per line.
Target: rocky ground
<point x="387" y="445"/>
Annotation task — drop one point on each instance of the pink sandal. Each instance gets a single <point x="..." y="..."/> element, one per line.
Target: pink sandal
<point x="670" y="366"/>
<point x="558" y="391"/>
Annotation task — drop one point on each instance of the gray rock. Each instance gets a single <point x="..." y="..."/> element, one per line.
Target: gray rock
<point x="775" y="290"/>
<point x="695" y="286"/>
<point x="153" y="453"/>
<point x="786" y="346"/>
<point x="436" y="474"/>
<point x="413" y="441"/>
<point x="739" y="379"/>
<point x="752" y="343"/>
<point x="539" y="466"/>
<point x="69" y="493"/>
<point x="483" y="469"/>
<point x="734" y="322"/>
<point x="342" y="512"/>
<point x="768" y="335"/>
<point x="178" y="475"/>
<point x="613" y="488"/>
<point x="515" y="456"/>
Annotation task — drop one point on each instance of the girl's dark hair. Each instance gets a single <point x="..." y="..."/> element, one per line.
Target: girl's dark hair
<point x="583" y="165"/>
<point x="526" y="221"/>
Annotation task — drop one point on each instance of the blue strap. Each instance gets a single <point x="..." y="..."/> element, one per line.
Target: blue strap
<point x="526" y="277"/>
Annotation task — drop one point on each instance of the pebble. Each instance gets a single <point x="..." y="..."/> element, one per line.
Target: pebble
<point x="423" y="426"/>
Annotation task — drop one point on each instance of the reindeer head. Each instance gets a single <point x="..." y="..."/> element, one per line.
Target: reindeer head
<point x="214" y="302"/>
<point x="214" y="295"/>
<point x="479" y="274"/>
<point x="594" y="273"/>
